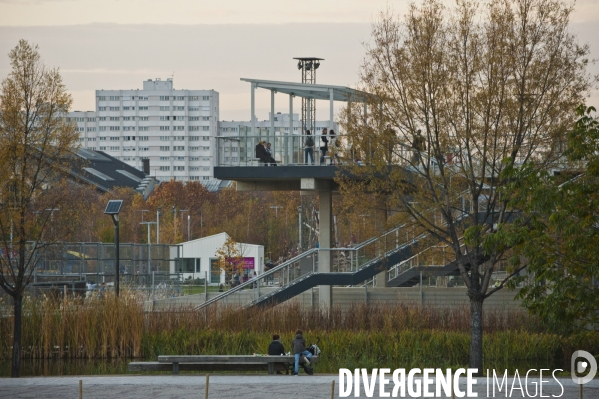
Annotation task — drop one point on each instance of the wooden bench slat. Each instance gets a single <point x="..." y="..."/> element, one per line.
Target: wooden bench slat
<point x="215" y="362"/>
<point x="228" y="359"/>
<point x="156" y="366"/>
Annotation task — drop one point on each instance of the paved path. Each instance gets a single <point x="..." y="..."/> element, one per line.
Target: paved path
<point x="222" y="386"/>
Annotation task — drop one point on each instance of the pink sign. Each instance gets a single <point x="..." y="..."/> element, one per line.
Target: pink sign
<point x="248" y="263"/>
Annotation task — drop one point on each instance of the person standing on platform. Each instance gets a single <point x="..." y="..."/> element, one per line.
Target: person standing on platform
<point x="325" y="148"/>
<point x="309" y="148"/>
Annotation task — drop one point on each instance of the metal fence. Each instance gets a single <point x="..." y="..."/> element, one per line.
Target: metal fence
<point x="137" y="262"/>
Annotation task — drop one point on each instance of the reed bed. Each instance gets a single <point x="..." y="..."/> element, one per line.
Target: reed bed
<point x="361" y="336"/>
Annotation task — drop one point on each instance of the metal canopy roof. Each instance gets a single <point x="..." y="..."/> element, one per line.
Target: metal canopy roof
<point x="314" y="91"/>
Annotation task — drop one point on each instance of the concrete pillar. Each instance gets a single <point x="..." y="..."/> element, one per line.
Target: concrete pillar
<point x="381" y="279"/>
<point x="325" y="257"/>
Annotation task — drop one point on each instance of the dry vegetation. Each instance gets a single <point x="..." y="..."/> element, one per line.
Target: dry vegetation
<point x="364" y="336"/>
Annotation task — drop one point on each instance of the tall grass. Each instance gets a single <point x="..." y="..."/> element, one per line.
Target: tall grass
<point x="362" y="336"/>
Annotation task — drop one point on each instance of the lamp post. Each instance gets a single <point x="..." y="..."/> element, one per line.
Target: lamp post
<point x="174" y="224"/>
<point x="202" y="222"/>
<point x="276" y="208"/>
<point x="158" y="213"/>
<point x="149" y="246"/>
<point x="188" y="222"/>
<point x="299" y="214"/>
<point x="51" y="210"/>
<point x="113" y="208"/>
<point x="142" y="219"/>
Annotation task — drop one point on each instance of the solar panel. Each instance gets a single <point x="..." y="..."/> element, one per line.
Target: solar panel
<point x="113" y="207"/>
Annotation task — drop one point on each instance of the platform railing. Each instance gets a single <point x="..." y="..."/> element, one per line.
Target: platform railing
<point x="286" y="149"/>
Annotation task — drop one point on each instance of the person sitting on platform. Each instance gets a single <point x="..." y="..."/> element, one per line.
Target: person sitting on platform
<point x="261" y="153"/>
<point x="271" y="160"/>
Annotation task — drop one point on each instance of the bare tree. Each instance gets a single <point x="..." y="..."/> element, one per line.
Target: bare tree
<point x="36" y="146"/>
<point x="466" y="91"/>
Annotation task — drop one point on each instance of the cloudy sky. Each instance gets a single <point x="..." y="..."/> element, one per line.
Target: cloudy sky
<point x="207" y="44"/>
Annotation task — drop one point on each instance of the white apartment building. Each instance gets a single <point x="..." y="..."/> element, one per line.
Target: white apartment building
<point x="174" y="129"/>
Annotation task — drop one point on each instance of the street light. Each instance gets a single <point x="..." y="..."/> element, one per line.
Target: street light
<point x="113" y="208"/>
<point x="174" y="224"/>
<point x="142" y="219"/>
<point x="299" y="213"/>
<point x="188" y="222"/>
<point x="149" y="244"/>
<point x="158" y="213"/>
<point x="276" y="208"/>
<point x="51" y="210"/>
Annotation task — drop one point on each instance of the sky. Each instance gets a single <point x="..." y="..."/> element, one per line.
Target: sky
<point x="208" y="44"/>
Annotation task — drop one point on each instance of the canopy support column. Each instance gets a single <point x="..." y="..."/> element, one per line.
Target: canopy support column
<point x="272" y="118"/>
<point x="253" y="109"/>
<point x="331" y="109"/>
<point x="289" y="145"/>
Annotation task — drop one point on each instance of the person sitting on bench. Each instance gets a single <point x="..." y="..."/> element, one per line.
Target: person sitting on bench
<point x="299" y="349"/>
<point x="276" y="348"/>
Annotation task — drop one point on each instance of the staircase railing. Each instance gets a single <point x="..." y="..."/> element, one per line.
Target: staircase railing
<point x="414" y="261"/>
<point x="345" y="260"/>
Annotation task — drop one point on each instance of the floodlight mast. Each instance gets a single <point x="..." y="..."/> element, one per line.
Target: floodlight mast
<point x="308" y="66"/>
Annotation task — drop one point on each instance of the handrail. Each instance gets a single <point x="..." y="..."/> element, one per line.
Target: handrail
<point x="312" y="251"/>
<point x="253" y="280"/>
<point x="416" y="255"/>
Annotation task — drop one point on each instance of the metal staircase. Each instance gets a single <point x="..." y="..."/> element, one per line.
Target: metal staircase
<point x="301" y="273"/>
<point x="393" y="251"/>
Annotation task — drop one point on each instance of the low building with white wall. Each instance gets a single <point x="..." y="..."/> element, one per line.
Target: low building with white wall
<point x="199" y="259"/>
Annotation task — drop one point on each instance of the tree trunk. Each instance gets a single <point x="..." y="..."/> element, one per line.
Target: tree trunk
<point x="476" y="333"/>
<point x="16" y="340"/>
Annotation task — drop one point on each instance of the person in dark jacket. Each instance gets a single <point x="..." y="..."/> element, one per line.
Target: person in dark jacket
<point x="261" y="153"/>
<point x="271" y="160"/>
<point x="276" y="348"/>
<point x="324" y="148"/>
<point x="299" y="348"/>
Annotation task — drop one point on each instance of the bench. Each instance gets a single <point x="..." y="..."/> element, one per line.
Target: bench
<point x="217" y="362"/>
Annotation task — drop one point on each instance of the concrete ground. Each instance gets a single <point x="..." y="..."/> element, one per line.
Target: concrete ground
<point x="228" y="386"/>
